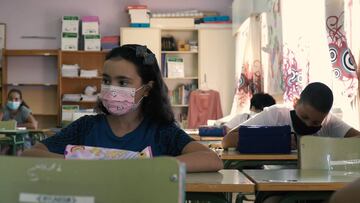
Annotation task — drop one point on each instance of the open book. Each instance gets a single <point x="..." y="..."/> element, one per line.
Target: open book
<point x="100" y="153"/>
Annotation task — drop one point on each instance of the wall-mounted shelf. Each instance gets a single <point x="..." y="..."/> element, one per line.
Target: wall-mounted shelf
<point x="78" y="102"/>
<point x="82" y="78"/>
<point x="31" y="52"/>
<point x="30" y="84"/>
<point x="184" y="78"/>
<point x="45" y="114"/>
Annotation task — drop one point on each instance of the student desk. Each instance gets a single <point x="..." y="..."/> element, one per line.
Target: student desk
<point x="301" y="184"/>
<point x="233" y="159"/>
<point x="207" y="186"/>
<point x="17" y="138"/>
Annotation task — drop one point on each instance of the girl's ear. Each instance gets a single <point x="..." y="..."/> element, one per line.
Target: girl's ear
<point x="148" y="87"/>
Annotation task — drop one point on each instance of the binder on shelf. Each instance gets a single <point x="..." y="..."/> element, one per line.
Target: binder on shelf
<point x="175" y="67"/>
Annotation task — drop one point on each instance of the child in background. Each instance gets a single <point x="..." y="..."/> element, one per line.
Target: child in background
<point x="17" y="109"/>
<point x="135" y="112"/>
<point x="257" y="103"/>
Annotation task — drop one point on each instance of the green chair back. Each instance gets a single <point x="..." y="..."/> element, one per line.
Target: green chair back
<point x="159" y="180"/>
<point x="8" y="125"/>
<point x="329" y="153"/>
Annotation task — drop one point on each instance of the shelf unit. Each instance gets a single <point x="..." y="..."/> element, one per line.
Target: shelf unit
<point x="211" y="66"/>
<point x="151" y="37"/>
<point x="87" y="60"/>
<point x="40" y="90"/>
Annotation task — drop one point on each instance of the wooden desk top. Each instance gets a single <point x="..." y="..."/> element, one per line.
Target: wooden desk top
<point x="300" y="180"/>
<point x="235" y="155"/>
<point x="222" y="181"/>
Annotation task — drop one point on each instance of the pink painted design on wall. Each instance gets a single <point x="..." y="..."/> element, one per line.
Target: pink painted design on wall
<point x="293" y="81"/>
<point x="249" y="82"/>
<point x="343" y="62"/>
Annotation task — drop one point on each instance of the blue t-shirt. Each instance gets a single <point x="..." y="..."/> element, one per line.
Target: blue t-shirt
<point x="21" y="116"/>
<point x="95" y="131"/>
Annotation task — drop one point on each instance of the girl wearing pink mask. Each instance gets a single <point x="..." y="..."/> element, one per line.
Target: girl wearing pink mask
<point x="134" y="112"/>
<point x="17" y="109"/>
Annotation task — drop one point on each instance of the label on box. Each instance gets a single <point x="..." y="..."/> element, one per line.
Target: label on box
<point x="46" y="198"/>
<point x="90" y="28"/>
<point x="92" y="43"/>
<point x="70" y="24"/>
<point x="69" y="41"/>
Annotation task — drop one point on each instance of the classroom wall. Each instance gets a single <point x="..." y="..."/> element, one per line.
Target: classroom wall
<point x="42" y="17"/>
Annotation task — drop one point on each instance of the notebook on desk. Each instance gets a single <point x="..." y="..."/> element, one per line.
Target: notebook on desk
<point x="264" y="140"/>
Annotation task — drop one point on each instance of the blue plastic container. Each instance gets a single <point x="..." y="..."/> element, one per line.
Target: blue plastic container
<point x="264" y="139"/>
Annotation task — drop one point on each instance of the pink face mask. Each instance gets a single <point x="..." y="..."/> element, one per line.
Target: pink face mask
<point x="119" y="100"/>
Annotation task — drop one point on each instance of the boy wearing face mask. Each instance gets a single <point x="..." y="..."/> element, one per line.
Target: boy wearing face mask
<point x="17" y="109"/>
<point x="309" y="116"/>
<point x="134" y="112"/>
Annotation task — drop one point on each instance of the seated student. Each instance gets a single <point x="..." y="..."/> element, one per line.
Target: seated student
<point x="135" y="113"/>
<point x="348" y="194"/>
<point x="17" y="109"/>
<point x="309" y="116"/>
<point x="257" y="103"/>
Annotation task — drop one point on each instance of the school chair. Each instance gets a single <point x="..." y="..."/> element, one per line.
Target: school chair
<point x="329" y="153"/>
<point x="8" y="130"/>
<point x="159" y="180"/>
<point x="326" y="153"/>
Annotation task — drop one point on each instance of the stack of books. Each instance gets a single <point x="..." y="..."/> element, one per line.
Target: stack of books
<point x="214" y="21"/>
<point x="110" y="42"/>
<point x="70" y="70"/>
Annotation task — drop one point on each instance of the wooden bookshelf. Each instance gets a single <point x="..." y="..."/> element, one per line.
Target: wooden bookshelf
<point x="87" y="60"/>
<point x="31" y="52"/>
<point x="38" y="82"/>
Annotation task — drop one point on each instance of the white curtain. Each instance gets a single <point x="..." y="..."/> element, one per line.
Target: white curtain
<point x="248" y="65"/>
<point x="301" y="42"/>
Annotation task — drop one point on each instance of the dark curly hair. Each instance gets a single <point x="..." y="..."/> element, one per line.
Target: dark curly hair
<point x="261" y="100"/>
<point x="156" y="105"/>
<point x="317" y="95"/>
<point x="23" y="103"/>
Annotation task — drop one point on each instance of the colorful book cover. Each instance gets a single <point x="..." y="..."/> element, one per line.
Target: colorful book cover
<point x="100" y="153"/>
